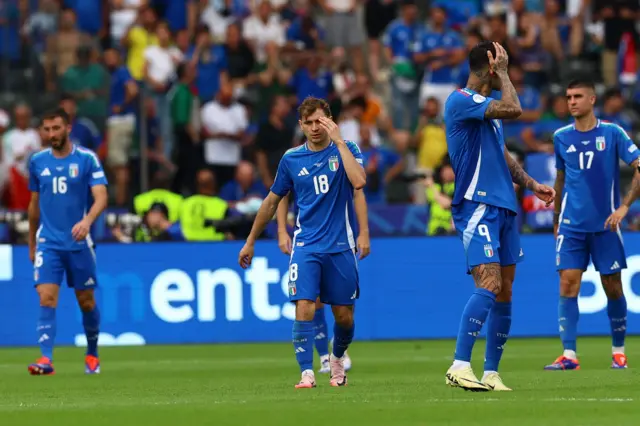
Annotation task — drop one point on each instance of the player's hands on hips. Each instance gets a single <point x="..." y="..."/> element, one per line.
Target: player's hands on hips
<point x="616" y="218"/>
<point x="81" y="230"/>
<point x="331" y="128"/>
<point x="364" y="246"/>
<point x="501" y="61"/>
<point x="284" y="242"/>
<point x="246" y="256"/>
<point x="545" y="193"/>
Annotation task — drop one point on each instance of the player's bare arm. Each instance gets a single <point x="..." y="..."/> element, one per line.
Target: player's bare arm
<point x="509" y="106"/>
<point x="360" y="205"/>
<point x="34" y="223"/>
<point x="355" y="172"/>
<point x="265" y="214"/>
<point x="557" y="202"/>
<point x="520" y="177"/>
<point x="632" y="195"/>
<point x="284" y="240"/>
<point x="81" y="229"/>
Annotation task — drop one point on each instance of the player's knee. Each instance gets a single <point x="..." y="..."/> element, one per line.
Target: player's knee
<point x="506" y="292"/>
<point x="305" y="310"/>
<point x="343" y="316"/>
<point x="612" y="287"/>
<point x="569" y="286"/>
<point x="48" y="296"/>
<point x="86" y="301"/>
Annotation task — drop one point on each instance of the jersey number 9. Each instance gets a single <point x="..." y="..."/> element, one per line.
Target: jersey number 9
<point x="60" y="185"/>
<point x="321" y="184"/>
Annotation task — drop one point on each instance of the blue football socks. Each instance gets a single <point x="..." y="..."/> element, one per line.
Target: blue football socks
<point x="342" y="338"/>
<point x="568" y="314"/>
<point x="91" y="323"/>
<point x="473" y="317"/>
<point x="47" y="331"/>
<point x="303" y="344"/>
<point x="498" y="326"/>
<point x="617" y="310"/>
<point x="320" y="332"/>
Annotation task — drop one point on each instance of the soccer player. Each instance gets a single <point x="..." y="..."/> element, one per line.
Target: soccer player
<point x="484" y="209"/>
<point x="59" y="241"/>
<point x="587" y="217"/>
<point x="363" y="244"/>
<point x="323" y="173"/>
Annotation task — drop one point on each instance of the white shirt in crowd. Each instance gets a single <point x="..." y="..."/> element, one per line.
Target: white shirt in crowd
<point x="162" y="62"/>
<point x="18" y="145"/>
<point x="275" y="3"/>
<point x="341" y="5"/>
<point x="217" y="118"/>
<point x="350" y="131"/>
<point x="123" y="17"/>
<point x="261" y="33"/>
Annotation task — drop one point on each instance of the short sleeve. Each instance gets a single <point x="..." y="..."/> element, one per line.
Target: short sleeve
<point x="283" y="182"/>
<point x="34" y="182"/>
<point x="469" y="106"/>
<point x="355" y="150"/>
<point x="97" y="176"/>
<point x="558" y="152"/>
<point x="627" y="149"/>
<point x="386" y="37"/>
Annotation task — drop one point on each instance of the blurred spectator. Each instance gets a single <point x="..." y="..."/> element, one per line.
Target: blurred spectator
<point x="429" y="138"/>
<point x="439" y="192"/>
<point x="531" y="55"/>
<point x="240" y="60"/>
<point x="262" y="28"/>
<point x="304" y="34"/>
<point x="243" y="186"/>
<point x="378" y="14"/>
<point x="121" y="122"/>
<point x="83" y="131"/>
<point x="41" y="24"/>
<point x="441" y="51"/>
<point x="613" y="110"/>
<point x="343" y="29"/>
<point x="93" y="16"/>
<point x="274" y="138"/>
<point x="210" y="61"/>
<point x="224" y="122"/>
<point x="184" y="134"/>
<point x="5" y="121"/>
<point x="199" y="210"/>
<point x="180" y="14"/>
<point x="312" y="80"/>
<point x="398" y="41"/>
<point x="124" y="14"/>
<point x="137" y="39"/>
<point x="532" y="103"/>
<point x="87" y="81"/>
<point x="539" y="136"/>
<point x="10" y="47"/>
<point x="351" y="123"/>
<point x="214" y="20"/>
<point x="159" y="193"/>
<point x="62" y="48"/>
<point x="382" y="165"/>
<point x="159" y="72"/>
<point x="156" y="226"/>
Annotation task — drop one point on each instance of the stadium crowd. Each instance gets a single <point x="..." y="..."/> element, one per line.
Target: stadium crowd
<point x="199" y="97"/>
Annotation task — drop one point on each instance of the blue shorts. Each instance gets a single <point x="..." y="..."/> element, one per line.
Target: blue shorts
<point x="331" y="276"/>
<point x="606" y="250"/>
<point x="489" y="234"/>
<point x="51" y="266"/>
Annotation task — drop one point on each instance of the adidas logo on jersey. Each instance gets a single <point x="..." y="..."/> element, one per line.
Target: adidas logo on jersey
<point x="571" y="149"/>
<point x="303" y="172"/>
<point x="615" y="265"/>
<point x="89" y="282"/>
<point x="46" y="172"/>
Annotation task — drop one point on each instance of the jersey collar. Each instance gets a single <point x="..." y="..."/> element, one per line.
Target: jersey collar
<point x="306" y="147"/>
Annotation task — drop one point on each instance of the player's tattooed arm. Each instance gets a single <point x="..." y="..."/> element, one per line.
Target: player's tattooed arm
<point x="518" y="175"/>
<point x="558" y="186"/>
<point x="634" y="192"/>
<point x="509" y="106"/>
<point x="488" y="277"/>
<point x="265" y="214"/>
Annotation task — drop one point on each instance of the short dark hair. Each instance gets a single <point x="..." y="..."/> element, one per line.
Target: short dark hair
<point x="581" y="84"/>
<point x="55" y="113"/>
<point x="614" y="92"/>
<point x="311" y="104"/>
<point x="66" y="97"/>
<point x="478" y="59"/>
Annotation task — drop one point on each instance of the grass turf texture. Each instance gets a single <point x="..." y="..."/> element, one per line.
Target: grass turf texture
<point x="392" y="383"/>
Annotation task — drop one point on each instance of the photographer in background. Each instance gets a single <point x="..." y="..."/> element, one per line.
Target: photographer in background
<point x="439" y="191"/>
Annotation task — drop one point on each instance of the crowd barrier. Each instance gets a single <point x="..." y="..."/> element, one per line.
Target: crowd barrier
<point x="411" y="288"/>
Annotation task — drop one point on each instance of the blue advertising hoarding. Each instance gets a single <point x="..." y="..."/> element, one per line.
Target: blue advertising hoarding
<point x="411" y="288"/>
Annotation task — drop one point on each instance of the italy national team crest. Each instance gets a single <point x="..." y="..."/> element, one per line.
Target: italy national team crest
<point x="73" y="170"/>
<point x="334" y="164"/>
<point x="558" y="259"/>
<point x="292" y="288"/>
<point x="600" y="143"/>
<point x="488" y="250"/>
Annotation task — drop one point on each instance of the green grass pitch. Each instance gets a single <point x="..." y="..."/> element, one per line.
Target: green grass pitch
<point x="392" y="383"/>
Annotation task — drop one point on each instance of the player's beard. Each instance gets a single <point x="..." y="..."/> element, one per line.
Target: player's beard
<point x="59" y="145"/>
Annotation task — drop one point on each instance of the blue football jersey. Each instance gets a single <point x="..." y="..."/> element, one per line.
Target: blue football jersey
<point x="63" y="184"/>
<point x="590" y="161"/>
<point x="324" y="196"/>
<point x="476" y="150"/>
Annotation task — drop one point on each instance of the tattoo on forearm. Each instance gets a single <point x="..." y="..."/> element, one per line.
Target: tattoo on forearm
<point x="557" y="202"/>
<point x="488" y="276"/>
<point x="509" y="106"/>
<point x="634" y="191"/>
<point x="509" y="93"/>
<point x="518" y="175"/>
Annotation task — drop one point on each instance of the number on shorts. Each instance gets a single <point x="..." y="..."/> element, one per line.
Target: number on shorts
<point x="60" y="185"/>
<point x="321" y="184"/>
<point x="559" y="243"/>
<point x="39" y="260"/>
<point x="484" y="231"/>
<point x="293" y="272"/>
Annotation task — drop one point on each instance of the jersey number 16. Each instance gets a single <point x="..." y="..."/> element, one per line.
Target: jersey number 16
<point x="60" y="185"/>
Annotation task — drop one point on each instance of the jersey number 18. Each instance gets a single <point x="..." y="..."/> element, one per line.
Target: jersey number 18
<point x="60" y="185"/>
<point x="321" y="184"/>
